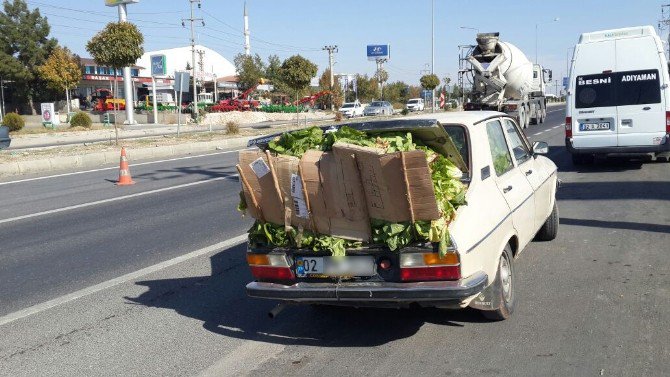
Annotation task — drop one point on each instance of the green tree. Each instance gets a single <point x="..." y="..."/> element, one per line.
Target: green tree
<point x="296" y="73"/>
<point x="118" y="45"/>
<point x="273" y="74"/>
<point x="429" y="82"/>
<point x="24" y="45"/>
<point x="250" y="69"/>
<point x="61" y="71"/>
<point x="396" y="92"/>
<point x="368" y="88"/>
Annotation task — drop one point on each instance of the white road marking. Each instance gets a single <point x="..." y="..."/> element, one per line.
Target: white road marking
<point x="553" y="111"/>
<point x="119" y="280"/>
<point x="535" y="134"/>
<point x="115" y="167"/>
<point x="555" y="127"/>
<point x="90" y="204"/>
<point x="243" y="359"/>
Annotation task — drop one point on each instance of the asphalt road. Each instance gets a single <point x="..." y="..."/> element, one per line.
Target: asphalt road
<point x="593" y="302"/>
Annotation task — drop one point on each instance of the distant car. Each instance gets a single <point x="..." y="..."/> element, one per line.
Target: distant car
<point x="415" y="104"/>
<point x="379" y="108"/>
<point x="5" y="140"/>
<point x="352" y="109"/>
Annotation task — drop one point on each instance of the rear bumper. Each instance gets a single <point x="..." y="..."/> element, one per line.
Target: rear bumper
<point x="437" y="291"/>
<point x="664" y="147"/>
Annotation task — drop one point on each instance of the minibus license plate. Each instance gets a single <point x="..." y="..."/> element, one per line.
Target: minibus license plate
<point x="594" y="126"/>
<point x="331" y="266"/>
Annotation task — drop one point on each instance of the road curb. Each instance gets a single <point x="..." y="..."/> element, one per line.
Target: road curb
<point x="93" y="160"/>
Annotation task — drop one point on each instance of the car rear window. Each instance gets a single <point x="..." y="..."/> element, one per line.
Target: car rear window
<point x="618" y="89"/>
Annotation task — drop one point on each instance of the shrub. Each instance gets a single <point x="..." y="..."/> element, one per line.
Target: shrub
<point x="232" y="128"/>
<point x="404" y="111"/>
<point x="338" y="116"/>
<point x="81" y="119"/>
<point x="13" y="121"/>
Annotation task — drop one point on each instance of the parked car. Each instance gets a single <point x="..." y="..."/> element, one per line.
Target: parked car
<point x="415" y="104"/>
<point x="351" y="109"/>
<point x="378" y="108"/>
<point x="618" y="95"/>
<point x="507" y="178"/>
<point x="5" y="140"/>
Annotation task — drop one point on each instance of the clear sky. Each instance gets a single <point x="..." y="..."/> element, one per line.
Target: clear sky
<point x="288" y="27"/>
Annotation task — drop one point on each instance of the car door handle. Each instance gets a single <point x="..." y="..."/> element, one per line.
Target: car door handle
<point x="646" y="108"/>
<point x="529" y="172"/>
<point x="507" y="189"/>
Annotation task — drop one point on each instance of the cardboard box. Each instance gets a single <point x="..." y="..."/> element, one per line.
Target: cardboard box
<point x="335" y="195"/>
<point x="296" y="210"/>
<point x="398" y="186"/>
<point x="254" y="169"/>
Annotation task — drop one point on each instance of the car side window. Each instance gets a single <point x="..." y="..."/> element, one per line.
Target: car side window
<point x="502" y="160"/>
<point x="519" y="148"/>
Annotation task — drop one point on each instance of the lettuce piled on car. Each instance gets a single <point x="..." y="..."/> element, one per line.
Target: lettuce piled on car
<point x="333" y="191"/>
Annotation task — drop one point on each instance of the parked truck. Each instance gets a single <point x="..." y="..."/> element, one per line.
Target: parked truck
<point x="503" y="79"/>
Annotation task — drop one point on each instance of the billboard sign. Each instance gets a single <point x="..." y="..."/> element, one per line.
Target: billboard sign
<point x="565" y="82"/>
<point x="113" y="3"/>
<point x="378" y="52"/>
<point x="158" y="67"/>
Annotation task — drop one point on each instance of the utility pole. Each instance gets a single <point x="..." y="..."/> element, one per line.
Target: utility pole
<point x="2" y="96"/>
<point x="664" y="22"/>
<point x="195" y="81"/>
<point x="380" y="68"/>
<point x="331" y="61"/>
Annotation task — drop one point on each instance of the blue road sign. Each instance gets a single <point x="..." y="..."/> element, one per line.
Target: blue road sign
<point x="379" y="52"/>
<point x="565" y="82"/>
<point x="158" y="67"/>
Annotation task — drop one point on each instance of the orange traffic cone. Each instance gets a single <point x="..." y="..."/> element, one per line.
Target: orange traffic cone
<point x="124" y="171"/>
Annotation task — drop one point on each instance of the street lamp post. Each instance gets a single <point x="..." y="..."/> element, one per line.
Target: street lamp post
<point x="432" y="51"/>
<point x="536" y="27"/>
<point x="2" y="96"/>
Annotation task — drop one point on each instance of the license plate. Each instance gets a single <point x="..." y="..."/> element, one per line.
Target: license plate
<point x="330" y="266"/>
<point x="594" y="126"/>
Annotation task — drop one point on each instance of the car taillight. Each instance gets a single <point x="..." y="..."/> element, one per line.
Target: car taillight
<point x="667" y="122"/>
<point x="510" y="108"/>
<point x="270" y="266"/>
<point x="568" y="126"/>
<point x="429" y="266"/>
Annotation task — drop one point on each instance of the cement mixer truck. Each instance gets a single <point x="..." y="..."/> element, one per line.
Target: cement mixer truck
<point x="503" y="79"/>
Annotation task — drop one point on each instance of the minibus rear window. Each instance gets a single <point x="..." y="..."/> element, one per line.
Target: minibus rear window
<point x="618" y="89"/>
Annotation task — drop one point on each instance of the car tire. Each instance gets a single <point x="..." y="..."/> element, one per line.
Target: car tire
<point x="582" y="159"/>
<point x="505" y="285"/>
<point x="549" y="229"/>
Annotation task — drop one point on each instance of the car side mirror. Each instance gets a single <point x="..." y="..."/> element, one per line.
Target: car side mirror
<point x="540" y="147"/>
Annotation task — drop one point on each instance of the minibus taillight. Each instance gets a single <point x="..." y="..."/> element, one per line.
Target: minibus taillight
<point x="568" y="125"/>
<point x="667" y="122"/>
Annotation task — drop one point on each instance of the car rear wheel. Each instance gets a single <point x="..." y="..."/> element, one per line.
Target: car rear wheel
<point x="549" y="230"/>
<point x="505" y="286"/>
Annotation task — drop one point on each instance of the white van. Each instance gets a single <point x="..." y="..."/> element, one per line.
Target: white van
<point x="618" y="97"/>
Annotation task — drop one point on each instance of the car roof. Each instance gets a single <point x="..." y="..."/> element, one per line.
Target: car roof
<point x="459" y="117"/>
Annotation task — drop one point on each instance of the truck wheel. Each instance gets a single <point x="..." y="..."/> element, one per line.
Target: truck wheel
<point x="549" y="230"/>
<point x="505" y="285"/>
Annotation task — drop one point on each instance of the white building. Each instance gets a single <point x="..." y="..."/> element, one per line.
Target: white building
<point x="209" y="63"/>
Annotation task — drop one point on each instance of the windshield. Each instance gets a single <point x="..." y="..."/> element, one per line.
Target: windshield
<point x="618" y="89"/>
<point x="377" y="104"/>
<point x="413" y="101"/>
<point x="347" y="105"/>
